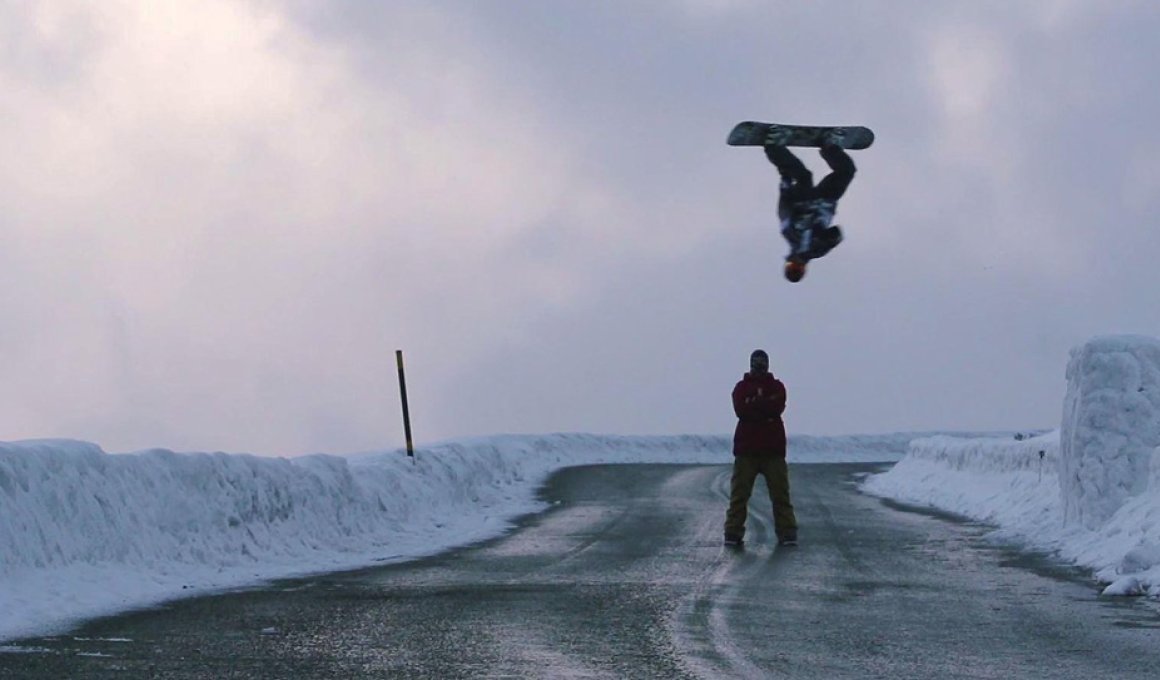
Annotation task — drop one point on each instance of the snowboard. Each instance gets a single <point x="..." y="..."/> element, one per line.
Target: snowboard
<point x="753" y="133"/>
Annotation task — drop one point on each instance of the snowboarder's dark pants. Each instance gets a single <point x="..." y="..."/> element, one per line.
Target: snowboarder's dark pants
<point x="802" y="186"/>
<point x="776" y="473"/>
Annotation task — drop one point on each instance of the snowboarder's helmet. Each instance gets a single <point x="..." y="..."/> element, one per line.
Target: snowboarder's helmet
<point x="759" y="361"/>
<point x="794" y="271"/>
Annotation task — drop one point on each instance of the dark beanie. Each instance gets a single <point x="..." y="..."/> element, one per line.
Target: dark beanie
<point x="759" y="359"/>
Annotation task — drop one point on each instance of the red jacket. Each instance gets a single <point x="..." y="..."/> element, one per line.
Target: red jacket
<point x="759" y="401"/>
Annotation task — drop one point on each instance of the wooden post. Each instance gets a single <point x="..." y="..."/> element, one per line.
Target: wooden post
<point x="406" y="411"/>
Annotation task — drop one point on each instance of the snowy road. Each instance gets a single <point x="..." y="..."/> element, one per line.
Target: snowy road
<point x="626" y="577"/>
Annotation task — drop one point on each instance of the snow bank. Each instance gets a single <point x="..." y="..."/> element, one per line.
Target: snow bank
<point x="1009" y="482"/>
<point x="1111" y="426"/>
<point x="1092" y="497"/>
<point x="85" y="533"/>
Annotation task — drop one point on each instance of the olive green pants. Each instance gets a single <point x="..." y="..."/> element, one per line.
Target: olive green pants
<point x="776" y="473"/>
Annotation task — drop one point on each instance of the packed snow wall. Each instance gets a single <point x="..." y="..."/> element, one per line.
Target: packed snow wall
<point x="1007" y="481"/>
<point x="1110" y="428"/>
<point x="67" y="502"/>
<point x="1037" y="455"/>
<point x="1089" y="492"/>
<point x="84" y="532"/>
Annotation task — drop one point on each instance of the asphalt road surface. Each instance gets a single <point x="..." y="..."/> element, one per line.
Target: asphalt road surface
<point x="625" y="577"/>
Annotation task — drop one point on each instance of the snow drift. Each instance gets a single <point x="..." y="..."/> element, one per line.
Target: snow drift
<point x="1111" y="426"/>
<point x="1011" y="483"/>
<point x="1089" y="492"/>
<point x="84" y="532"/>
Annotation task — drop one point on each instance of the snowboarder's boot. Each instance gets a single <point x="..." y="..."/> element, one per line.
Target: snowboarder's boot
<point x="733" y="541"/>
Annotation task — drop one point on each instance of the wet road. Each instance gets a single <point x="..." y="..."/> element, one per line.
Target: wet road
<point x="626" y="578"/>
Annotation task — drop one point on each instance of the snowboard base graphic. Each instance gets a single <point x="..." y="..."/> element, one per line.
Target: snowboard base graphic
<point x="753" y="133"/>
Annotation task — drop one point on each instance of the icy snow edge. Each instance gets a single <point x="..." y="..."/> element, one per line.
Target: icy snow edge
<point x="85" y="533"/>
<point x="1089" y="491"/>
<point x="1015" y="486"/>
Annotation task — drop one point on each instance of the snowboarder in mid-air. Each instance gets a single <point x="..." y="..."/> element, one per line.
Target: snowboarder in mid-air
<point x="806" y="209"/>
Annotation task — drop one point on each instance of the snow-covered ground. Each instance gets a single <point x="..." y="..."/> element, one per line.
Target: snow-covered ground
<point x="1089" y="491"/>
<point x="85" y="533"/>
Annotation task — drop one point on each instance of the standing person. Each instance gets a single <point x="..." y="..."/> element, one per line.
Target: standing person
<point x="759" y="448"/>
<point x="806" y="210"/>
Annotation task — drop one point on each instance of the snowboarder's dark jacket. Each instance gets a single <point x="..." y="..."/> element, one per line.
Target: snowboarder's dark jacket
<point x="806" y="210"/>
<point x="758" y="401"/>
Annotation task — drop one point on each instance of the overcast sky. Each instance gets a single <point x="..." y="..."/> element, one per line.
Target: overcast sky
<point x="219" y="220"/>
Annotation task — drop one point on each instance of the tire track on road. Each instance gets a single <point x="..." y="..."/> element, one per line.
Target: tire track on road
<point x="716" y="653"/>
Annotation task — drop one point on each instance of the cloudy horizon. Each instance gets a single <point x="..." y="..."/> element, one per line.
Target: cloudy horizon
<point x="219" y="221"/>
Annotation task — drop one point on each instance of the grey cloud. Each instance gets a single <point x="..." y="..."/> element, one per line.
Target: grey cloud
<point x="534" y="200"/>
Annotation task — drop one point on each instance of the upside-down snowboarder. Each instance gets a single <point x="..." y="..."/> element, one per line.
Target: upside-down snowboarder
<point x="806" y="209"/>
